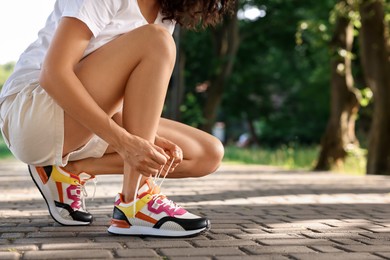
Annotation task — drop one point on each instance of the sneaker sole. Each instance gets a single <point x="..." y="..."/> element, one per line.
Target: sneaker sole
<point x="149" y="231"/>
<point x="53" y="209"/>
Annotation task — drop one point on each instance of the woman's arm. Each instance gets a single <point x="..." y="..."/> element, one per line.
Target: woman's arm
<point x="58" y="78"/>
<point x="60" y="81"/>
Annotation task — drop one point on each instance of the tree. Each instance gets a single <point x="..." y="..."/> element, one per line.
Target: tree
<point x="278" y="74"/>
<point x="374" y="39"/>
<point x="340" y="135"/>
<point x="226" y="42"/>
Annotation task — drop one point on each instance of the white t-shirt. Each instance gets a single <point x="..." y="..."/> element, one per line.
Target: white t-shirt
<point x="107" y="19"/>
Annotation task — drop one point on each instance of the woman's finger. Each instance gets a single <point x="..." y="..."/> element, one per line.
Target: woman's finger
<point x="159" y="156"/>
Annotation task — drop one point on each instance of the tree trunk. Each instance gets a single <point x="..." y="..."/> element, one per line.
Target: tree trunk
<point x="176" y="87"/>
<point x="340" y="132"/>
<point x="227" y="42"/>
<point x="376" y="67"/>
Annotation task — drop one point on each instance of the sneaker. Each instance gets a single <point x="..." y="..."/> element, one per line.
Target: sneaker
<point x="64" y="194"/>
<point x="153" y="214"/>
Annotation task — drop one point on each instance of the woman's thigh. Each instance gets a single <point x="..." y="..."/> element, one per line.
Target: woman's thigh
<point x="105" y="72"/>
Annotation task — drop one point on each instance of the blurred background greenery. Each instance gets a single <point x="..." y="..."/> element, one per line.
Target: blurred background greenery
<point x="263" y="82"/>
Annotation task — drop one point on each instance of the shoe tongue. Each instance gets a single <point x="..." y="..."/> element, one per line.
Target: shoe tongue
<point x="84" y="177"/>
<point x="149" y="187"/>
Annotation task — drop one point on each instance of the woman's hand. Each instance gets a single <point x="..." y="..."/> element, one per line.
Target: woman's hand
<point x="142" y="155"/>
<point x="174" y="151"/>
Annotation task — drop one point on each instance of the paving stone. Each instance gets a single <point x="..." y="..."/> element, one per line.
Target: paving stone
<point x="295" y="241"/>
<point x="366" y="248"/>
<point x="74" y="229"/>
<point x="258" y="250"/>
<point x="254" y="231"/>
<point x="158" y="244"/>
<point x="12" y="235"/>
<point x="286" y="230"/>
<point x="17" y="229"/>
<point x="200" y="237"/>
<point x="75" y="246"/>
<point x="267" y="236"/>
<point x="68" y="254"/>
<point x="303" y="225"/>
<point x="220" y="236"/>
<point x="385" y="236"/>
<point x="144" y="258"/>
<point x="121" y="239"/>
<point x="223" y="243"/>
<point x="191" y="258"/>
<point x="214" y="251"/>
<point x="139" y="252"/>
<point x="326" y="249"/>
<point x="9" y="255"/>
<point x="4" y="241"/>
<point x="226" y="231"/>
<point x="384" y="254"/>
<point x="347" y="241"/>
<point x="226" y="226"/>
<point x="50" y="234"/>
<point x="14" y="247"/>
<point x="319" y="235"/>
<point x="336" y="256"/>
<point x="379" y="241"/>
<point x="51" y="240"/>
<point x="253" y="257"/>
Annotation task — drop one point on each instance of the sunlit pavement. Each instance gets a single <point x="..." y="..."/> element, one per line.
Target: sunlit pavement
<point x="256" y="212"/>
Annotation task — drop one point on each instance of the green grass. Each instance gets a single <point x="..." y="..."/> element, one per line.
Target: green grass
<point x="4" y="152"/>
<point x="284" y="156"/>
<point x="291" y="158"/>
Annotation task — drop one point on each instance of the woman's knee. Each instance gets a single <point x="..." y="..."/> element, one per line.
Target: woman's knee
<point x="213" y="153"/>
<point x="159" y="42"/>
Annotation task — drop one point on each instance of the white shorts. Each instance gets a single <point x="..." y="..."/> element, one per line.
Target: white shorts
<point x="32" y="125"/>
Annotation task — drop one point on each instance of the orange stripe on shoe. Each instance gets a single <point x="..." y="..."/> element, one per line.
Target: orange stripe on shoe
<point x="42" y="174"/>
<point x="60" y="194"/>
<point x="145" y="217"/>
<point x="119" y="223"/>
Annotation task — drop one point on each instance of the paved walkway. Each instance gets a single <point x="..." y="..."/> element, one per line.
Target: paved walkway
<point x="256" y="213"/>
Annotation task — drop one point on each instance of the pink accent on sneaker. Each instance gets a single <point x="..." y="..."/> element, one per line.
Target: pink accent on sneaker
<point x="75" y="196"/>
<point x="165" y="208"/>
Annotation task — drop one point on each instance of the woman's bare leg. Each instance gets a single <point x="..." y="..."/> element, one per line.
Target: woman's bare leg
<point x="134" y="69"/>
<point x="202" y="153"/>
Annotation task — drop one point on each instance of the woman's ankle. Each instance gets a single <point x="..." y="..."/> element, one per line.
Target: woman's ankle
<point x="130" y="192"/>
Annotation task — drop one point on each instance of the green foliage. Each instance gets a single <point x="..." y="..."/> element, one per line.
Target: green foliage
<point x="4" y="151"/>
<point x="191" y="111"/>
<point x="5" y="72"/>
<point x="292" y="157"/>
<point x="366" y="97"/>
<point x="282" y="75"/>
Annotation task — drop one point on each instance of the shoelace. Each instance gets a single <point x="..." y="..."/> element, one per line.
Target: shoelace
<point x="155" y="178"/>
<point x="83" y="191"/>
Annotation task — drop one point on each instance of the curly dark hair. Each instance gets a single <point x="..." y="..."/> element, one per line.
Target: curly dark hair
<point x="193" y="14"/>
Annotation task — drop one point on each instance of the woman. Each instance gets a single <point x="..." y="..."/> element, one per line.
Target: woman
<point x="86" y="99"/>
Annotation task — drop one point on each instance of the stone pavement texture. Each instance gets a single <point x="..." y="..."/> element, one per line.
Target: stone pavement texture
<point x="256" y="212"/>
